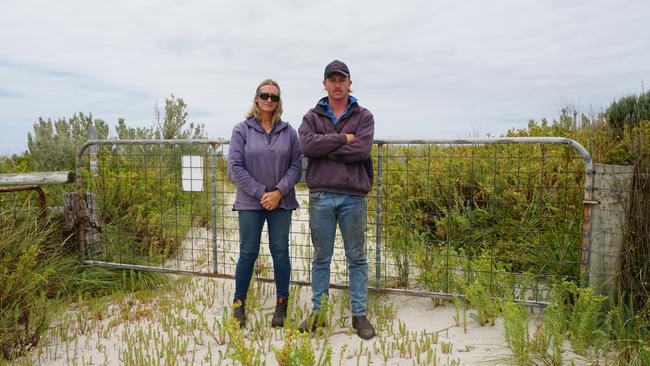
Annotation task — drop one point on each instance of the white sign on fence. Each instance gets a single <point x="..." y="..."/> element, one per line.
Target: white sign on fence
<point x="192" y="173"/>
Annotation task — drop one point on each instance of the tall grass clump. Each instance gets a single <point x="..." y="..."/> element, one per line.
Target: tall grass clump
<point x="629" y="329"/>
<point x="635" y="268"/>
<point x="31" y="268"/>
<point x="40" y="274"/>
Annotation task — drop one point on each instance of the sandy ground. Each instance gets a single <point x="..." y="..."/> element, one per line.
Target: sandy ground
<point x="186" y="325"/>
<point x="183" y="326"/>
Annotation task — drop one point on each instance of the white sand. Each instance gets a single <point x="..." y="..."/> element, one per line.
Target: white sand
<point x="131" y="325"/>
<point x="152" y="329"/>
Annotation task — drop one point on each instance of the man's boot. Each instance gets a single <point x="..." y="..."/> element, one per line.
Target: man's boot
<point x="239" y="312"/>
<point x="280" y="313"/>
<point x="363" y="326"/>
<point x="310" y="324"/>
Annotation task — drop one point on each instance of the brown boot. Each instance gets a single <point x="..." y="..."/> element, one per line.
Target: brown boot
<point x="364" y="328"/>
<point x="280" y="313"/>
<point x="239" y="312"/>
<point x="310" y="324"/>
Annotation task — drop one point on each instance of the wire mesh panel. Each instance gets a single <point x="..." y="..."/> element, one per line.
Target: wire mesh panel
<point x="19" y="204"/>
<point x="442" y="215"/>
<point x="152" y="205"/>
<point x="507" y="216"/>
<point x="167" y="206"/>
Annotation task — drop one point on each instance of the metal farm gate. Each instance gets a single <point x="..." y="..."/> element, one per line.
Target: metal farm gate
<point x="510" y="213"/>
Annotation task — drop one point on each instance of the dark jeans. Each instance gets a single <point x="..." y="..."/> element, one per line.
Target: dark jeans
<point x="250" y="233"/>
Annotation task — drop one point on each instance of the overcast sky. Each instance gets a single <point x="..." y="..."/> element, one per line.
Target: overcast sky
<point x="424" y="68"/>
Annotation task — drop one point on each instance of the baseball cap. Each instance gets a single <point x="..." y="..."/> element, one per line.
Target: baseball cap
<point x="337" y="66"/>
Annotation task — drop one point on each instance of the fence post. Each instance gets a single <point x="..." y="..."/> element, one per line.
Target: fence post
<point x="213" y="204"/>
<point x="612" y="185"/>
<point x="378" y="218"/>
<point x="88" y="219"/>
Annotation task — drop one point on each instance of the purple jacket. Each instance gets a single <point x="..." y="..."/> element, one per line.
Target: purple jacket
<point x="334" y="165"/>
<point x="257" y="164"/>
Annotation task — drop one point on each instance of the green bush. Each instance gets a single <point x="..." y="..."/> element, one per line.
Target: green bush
<point x="53" y="145"/>
<point x="627" y="112"/>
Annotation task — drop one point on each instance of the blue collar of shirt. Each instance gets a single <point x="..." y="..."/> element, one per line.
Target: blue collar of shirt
<point x="330" y="112"/>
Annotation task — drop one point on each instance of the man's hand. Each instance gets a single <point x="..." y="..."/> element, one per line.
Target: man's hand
<point x="349" y="136"/>
<point x="271" y="200"/>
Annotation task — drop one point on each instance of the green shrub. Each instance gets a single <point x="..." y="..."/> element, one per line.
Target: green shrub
<point x="53" y="145"/>
<point x="628" y="112"/>
<point x="296" y="351"/>
<point x="585" y="324"/>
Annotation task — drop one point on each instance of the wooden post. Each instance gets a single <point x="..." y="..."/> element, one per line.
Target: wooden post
<point x="612" y="185"/>
<point x="71" y="214"/>
<point x="25" y="181"/>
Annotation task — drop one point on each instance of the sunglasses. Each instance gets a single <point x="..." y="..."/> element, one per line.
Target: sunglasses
<point x="266" y="96"/>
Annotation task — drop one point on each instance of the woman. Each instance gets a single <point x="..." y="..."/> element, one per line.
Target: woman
<point x="264" y="161"/>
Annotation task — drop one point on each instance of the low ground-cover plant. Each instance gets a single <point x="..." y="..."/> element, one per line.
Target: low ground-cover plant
<point x="574" y="313"/>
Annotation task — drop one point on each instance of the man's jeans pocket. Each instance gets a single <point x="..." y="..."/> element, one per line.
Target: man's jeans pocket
<point x="316" y="196"/>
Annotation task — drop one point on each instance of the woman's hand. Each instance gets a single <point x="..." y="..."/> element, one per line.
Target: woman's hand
<point x="271" y="200"/>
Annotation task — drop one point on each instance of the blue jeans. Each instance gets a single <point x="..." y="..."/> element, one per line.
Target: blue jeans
<point x="325" y="211"/>
<point x="251" y="223"/>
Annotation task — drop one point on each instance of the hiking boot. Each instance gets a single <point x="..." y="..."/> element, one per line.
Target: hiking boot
<point x="310" y="324"/>
<point x="365" y="330"/>
<point x="280" y="313"/>
<point x="239" y="312"/>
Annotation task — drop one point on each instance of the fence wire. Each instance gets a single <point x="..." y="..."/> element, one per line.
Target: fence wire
<point x="19" y="204"/>
<point x="443" y="215"/>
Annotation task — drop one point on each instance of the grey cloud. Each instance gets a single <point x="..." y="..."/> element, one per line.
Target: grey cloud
<point x="9" y="94"/>
<point x="425" y="68"/>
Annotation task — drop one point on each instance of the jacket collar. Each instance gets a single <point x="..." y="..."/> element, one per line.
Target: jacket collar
<point x="321" y="106"/>
<point x="279" y="125"/>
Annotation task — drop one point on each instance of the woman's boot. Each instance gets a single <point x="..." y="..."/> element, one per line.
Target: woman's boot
<point x="239" y="312"/>
<point x="280" y="313"/>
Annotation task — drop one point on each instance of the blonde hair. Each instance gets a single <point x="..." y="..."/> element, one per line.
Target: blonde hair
<point x="255" y="109"/>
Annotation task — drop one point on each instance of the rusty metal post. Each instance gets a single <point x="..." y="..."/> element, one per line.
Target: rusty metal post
<point x="42" y="202"/>
<point x="588" y="203"/>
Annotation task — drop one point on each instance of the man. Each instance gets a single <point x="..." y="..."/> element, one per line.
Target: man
<point x="336" y="136"/>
